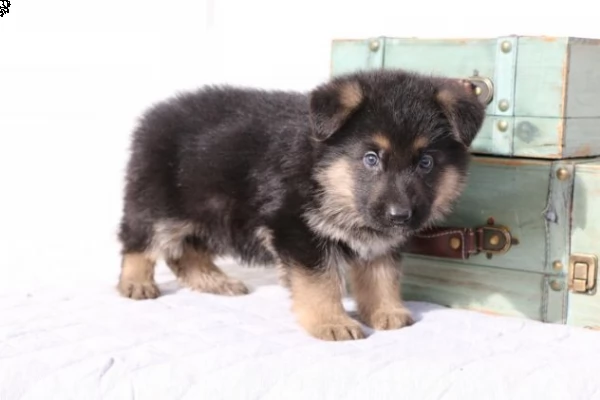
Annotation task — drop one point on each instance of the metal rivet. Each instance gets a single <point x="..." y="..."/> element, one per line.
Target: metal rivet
<point x="494" y="240"/>
<point x="503" y="105"/>
<point x="557" y="266"/>
<point x="562" y="174"/>
<point x="502" y="126"/>
<point x="374" y="45"/>
<point x="556" y="285"/>
<point x="455" y="243"/>
<point x="506" y="46"/>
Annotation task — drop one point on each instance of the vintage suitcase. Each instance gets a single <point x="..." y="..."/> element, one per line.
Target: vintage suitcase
<point x="542" y="93"/>
<point x="524" y="238"/>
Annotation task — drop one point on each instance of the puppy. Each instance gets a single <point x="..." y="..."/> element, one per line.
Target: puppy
<point x="316" y="183"/>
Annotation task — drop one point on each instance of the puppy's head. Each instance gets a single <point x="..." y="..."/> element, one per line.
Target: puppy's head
<point x="394" y="149"/>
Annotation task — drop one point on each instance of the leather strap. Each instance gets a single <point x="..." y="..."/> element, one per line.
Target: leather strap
<point x="461" y="243"/>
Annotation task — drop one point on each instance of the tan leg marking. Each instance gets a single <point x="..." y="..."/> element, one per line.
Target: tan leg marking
<point x="376" y="287"/>
<point x="137" y="277"/>
<point x="317" y="303"/>
<point x="197" y="271"/>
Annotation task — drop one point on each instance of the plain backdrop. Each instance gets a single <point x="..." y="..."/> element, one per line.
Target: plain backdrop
<point x="74" y="76"/>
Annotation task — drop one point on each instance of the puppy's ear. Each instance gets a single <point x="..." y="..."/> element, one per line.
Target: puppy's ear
<point x="331" y="105"/>
<point x="462" y="108"/>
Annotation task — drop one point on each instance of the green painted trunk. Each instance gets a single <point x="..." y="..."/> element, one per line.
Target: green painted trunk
<point x="553" y="209"/>
<point x="542" y="185"/>
<point x="545" y="99"/>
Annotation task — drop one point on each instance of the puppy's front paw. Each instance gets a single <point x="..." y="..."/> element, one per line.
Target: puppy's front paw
<point x="138" y="290"/>
<point x="233" y="287"/>
<point x="216" y="283"/>
<point x="337" y="330"/>
<point x="389" y="318"/>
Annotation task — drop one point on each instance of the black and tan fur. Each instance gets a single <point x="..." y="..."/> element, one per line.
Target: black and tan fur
<point x="318" y="183"/>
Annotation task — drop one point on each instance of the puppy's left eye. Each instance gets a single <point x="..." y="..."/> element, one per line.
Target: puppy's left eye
<point x="426" y="162"/>
<point x="371" y="159"/>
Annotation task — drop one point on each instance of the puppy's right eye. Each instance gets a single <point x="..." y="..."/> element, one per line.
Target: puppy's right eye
<point x="371" y="159"/>
<point x="426" y="162"/>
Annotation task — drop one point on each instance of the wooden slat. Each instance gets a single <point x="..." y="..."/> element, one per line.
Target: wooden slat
<point x="558" y="231"/>
<point x="354" y="55"/>
<point x="582" y="136"/>
<point x="541" y="77"/>
<point x="583" y="91"/>
<point x="491" y="141"/>
<point x="491" y="290"/>
<point x="538" y="137"/>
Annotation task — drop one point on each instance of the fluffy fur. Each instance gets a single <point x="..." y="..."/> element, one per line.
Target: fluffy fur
<point x="313" y="182"/>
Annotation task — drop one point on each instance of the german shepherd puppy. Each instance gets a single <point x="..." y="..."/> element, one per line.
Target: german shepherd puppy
<point x="316" y="183"/>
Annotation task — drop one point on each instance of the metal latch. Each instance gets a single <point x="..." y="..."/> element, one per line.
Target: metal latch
<point x="583" y="269"/>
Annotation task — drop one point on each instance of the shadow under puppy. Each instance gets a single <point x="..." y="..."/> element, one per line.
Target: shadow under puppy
<point x="317" y="184"/>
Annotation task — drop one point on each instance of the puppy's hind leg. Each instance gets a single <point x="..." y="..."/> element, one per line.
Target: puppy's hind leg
<point x="195" y="269"/>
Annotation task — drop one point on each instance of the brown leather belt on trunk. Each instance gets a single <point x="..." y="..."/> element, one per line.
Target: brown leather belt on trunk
<point x="461" y="243"/>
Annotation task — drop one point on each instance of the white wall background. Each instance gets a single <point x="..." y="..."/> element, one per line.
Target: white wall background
<point x="75" y="75"/>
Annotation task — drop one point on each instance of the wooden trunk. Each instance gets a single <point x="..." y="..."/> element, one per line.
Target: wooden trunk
<point x="542" y="94"/>
<point x="553" y="209"/>
<point x="534" y="180"/>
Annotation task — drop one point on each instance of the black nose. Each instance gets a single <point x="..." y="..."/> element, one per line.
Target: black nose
<point x="398" y="215"/>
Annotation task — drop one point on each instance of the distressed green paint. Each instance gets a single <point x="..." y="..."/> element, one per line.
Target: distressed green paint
<point x="583" y="80"/>
<point x="537" y="137"/>
<point x="541" y="77"/>
<point x="504" y="77"/>
<point x="548" y="138"/>
<point x="356" y="55"/>
<point x="552" y="86"/>
<point x="459" y="285"/>
<point x="558" y="216"/>
<point x="462" y="58"/>
<point x="524" y="137"/>
<point x="554" y="302"/>
<point x="582" y="137"/>
<point x="491" y="140"/>
<point x="558" y="229"/>
<point x="496" y="189"/>
<point x="552" y="218"/>
<point x="584" y="310"/>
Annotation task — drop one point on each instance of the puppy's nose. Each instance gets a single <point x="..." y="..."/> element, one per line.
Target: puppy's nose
<point x="398" y="215"/>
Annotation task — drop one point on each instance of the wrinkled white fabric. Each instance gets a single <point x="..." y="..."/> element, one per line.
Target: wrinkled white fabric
<point x="89" y="343"/>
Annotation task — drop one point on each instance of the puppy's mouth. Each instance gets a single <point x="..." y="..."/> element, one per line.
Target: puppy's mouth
<point x="387" y="230"/>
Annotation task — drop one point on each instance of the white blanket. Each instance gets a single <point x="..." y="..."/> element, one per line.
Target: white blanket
<point x="88" y="343"/>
